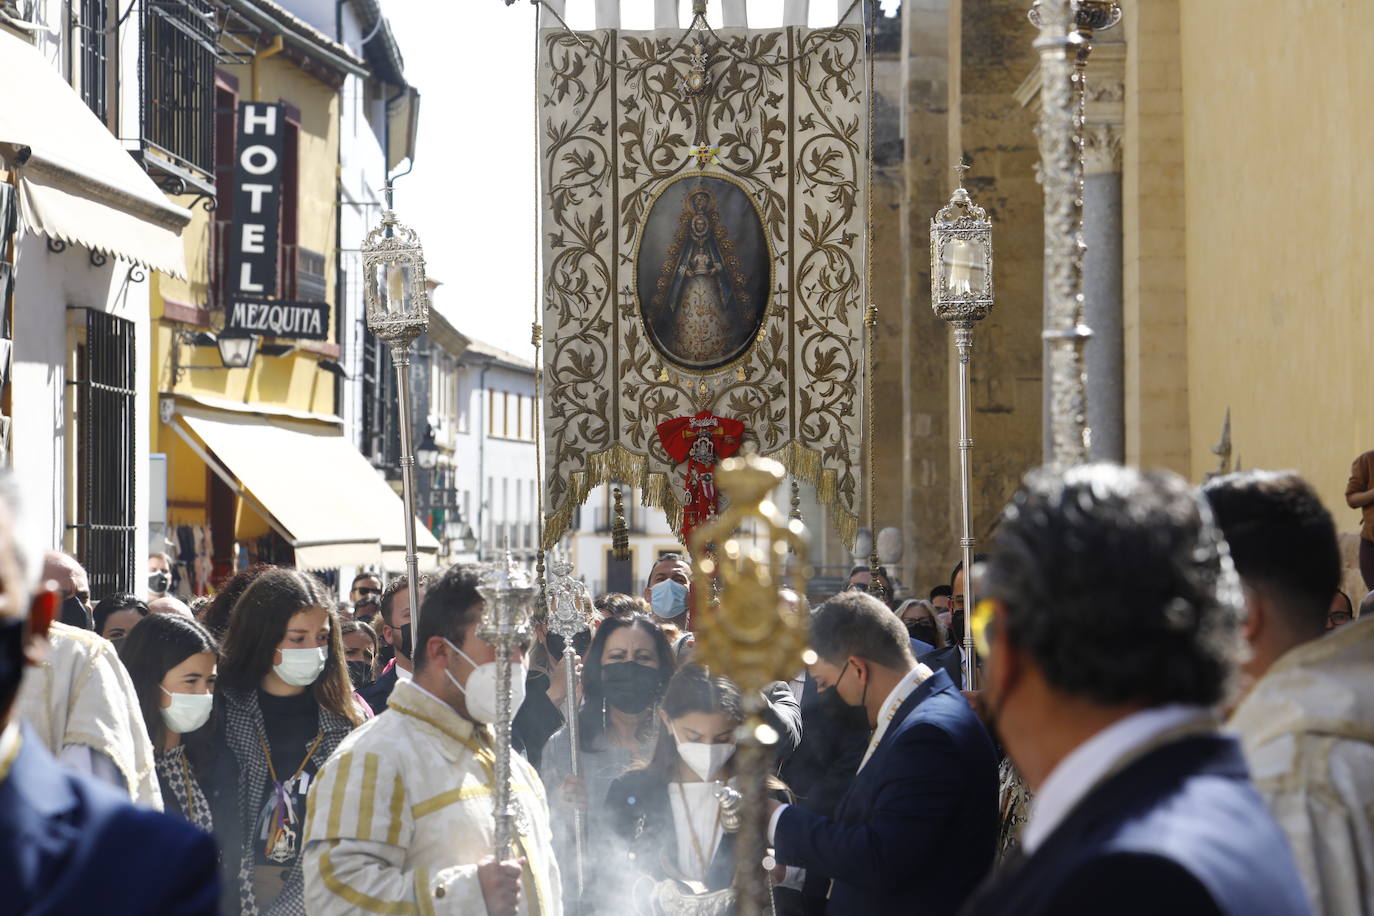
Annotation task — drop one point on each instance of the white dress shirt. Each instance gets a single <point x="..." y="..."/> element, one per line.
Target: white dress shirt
<point x="696" y="823"/>
<point x="1087" y="765"/>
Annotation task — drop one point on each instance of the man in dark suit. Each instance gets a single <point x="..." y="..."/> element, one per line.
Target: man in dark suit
<point x="70" y="844"/>
<point x="924" y="800"/>
<point x="395" y="613"/>
<point x="1110" y="625"/>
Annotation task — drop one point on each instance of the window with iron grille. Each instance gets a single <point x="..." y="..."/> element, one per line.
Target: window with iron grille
<point x="90" y="66"/>
<point x="381" y="434"/>
<point x="179" y="81"/>
<point x="310" y="282"/>
<point x="104" y="523"/>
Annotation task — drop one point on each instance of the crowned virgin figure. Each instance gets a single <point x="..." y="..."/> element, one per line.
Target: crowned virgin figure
<point x="705" y="285"/>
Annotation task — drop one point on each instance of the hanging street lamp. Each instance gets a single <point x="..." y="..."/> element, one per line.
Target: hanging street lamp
<point x="427" y="454"/>
<point x="961" y="295"/>
<point x="236" y="350"/>
<point x="397" y="301"/>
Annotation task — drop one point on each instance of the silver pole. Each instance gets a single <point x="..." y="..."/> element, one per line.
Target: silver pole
<point x="400" y="358"/>
<point x="579" y="819"/>
<point x="507" y="593"/>
<point x="505" y="816"/>
<point x="563" y="597"/>
<point x="963" y="342"/>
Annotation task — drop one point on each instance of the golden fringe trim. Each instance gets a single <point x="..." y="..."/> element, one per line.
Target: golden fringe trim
<point x="619" y="463"/>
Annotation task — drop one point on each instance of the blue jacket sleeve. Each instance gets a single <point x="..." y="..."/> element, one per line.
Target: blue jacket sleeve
<point x="913" y="795"/>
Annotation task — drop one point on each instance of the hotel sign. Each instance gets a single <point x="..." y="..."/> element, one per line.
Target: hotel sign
<point x="257" y="199"/>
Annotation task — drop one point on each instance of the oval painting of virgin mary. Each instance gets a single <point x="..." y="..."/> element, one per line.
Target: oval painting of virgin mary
<point x="703" y="272"/>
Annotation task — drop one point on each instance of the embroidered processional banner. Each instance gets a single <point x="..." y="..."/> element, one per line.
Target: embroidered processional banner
<point x="704" y="230"/>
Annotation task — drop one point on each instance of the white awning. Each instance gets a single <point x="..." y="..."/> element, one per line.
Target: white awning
<point x="311" y="485"/>
<point x="78" y="184"/>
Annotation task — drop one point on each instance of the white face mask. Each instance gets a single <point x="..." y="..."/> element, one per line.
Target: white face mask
<point x="668" y="599"/>
<point x="300" y="667"/>
<point x="188" y="712"/>
<point x="481" y="687"/>
<point x="704" y="759"/>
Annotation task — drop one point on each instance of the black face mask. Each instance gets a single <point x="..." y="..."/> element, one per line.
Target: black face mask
<point x="74" y="613"/>
<point x="11" y="660"/>
<point x="405" y="647"/>
<point x="956" y="627"/>
<point x="159" y="582"/>
<point x="923" y="629"/>
<point x="834" y="708"/>
<point x="360" y="673"/>
<point x="630" y="687"/>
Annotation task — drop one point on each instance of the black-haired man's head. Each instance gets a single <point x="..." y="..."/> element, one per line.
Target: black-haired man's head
<point x="1283" y="542"/>
<point x="1109" y="587"/>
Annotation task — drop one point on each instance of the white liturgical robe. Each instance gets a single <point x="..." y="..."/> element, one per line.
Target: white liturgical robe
<point x="402" y="812"/>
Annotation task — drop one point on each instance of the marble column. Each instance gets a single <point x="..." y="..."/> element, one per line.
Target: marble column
<point x="1102" y="263"/>
<point x="1104" y="353"/>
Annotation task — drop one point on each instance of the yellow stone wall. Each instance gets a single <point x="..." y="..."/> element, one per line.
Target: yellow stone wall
<point x="1277" y="137"/>
<point x="1155" y="304"/>
<point x="285" y="381"/>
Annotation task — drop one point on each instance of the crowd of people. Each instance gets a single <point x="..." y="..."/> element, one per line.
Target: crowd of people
<point x="1173" y="710"/>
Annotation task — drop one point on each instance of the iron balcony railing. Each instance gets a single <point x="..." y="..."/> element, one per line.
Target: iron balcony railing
<point x="178" y="51"/>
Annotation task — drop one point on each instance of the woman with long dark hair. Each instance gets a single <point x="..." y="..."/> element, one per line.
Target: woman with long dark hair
<point x="287" y="704"/>
<point x="624" y="673"/>
<point x="171" y="660"/>
<point x="116" y="615"/>
<point x="216" y="612"/>
<point x="674" y="815"/>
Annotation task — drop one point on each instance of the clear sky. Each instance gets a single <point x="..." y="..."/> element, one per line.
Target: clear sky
<point x="472" y="194"/>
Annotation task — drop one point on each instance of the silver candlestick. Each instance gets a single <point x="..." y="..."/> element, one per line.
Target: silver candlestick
<point x="961" y="295"/>
<point x="397" y="298"/>
<point x="567" y="597"/>
<point x="508" y="594"/>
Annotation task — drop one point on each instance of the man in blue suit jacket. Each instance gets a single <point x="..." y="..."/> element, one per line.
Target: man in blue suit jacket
<point x="916" y="830"/>
<point x="70" y="844"/>
<point x="1110" y="626"/>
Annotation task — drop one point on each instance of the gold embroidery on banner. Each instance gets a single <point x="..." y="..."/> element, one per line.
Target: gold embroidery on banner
<point x="787" y="112"/>
<point x="356" y="897"/>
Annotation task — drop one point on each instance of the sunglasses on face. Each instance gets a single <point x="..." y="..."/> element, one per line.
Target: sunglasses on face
<point x="365" y="592"/>
<point x="557" y="644"/>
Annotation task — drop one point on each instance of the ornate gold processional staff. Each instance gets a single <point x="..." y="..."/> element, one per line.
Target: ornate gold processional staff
<point x="742" y="560"/>
<point x="508" y="593"/>
<point x="566" y="597"/>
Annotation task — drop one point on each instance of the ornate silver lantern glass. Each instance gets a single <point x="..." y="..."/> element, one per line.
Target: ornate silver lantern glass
<point x="397" y="301"/>
<point x="508" y="593"/>
<point x="961" y="295"/>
